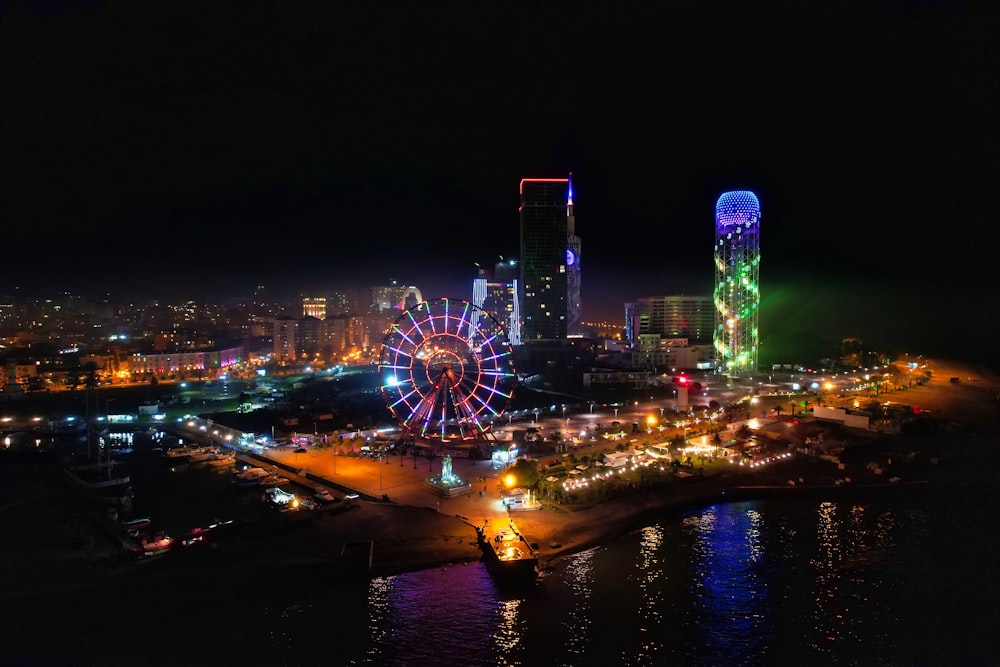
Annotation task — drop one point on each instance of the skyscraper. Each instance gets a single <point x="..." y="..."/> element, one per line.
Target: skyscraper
<point x="737" y="288"/>
<point x="550" y="259"/>
<point x="498" y="296"/>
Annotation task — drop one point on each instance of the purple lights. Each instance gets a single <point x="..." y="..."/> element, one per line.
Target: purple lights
<point x="738" y="208"/>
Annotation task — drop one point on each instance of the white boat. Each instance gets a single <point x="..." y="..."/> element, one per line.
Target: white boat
<point x="274" y="480"/>
<point x="323" y="495"/>
<point x="182" y="453"/>
<point x="220" y="459"/>
<point x="250" y="477"/>
<point x="280" y="499"/>
<point x="204" y="454"/>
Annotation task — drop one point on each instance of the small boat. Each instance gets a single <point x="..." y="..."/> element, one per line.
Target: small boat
<point x="135" y="524"/>
<point x="274" y="480"/>
<point x="203" y="454"/>
<point x="222" y="459"/>
<point x="323" y="495"/>
<point x="250" y="477"/>
<point x="154" y="544"/>
<point x="187" y="453"/>
<point x="280" y="499"/>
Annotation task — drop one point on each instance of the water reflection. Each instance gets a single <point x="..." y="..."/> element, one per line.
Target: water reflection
<point x="732" y="597"/>
<point x="579" y="576"/>
<point x="650" y="572"/>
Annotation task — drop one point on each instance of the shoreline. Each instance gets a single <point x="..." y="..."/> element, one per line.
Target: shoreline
<point x="416" y="536"/>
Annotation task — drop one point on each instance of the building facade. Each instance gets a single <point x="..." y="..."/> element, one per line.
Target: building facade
<point x="550" y="260"/>
<point x="691" y="317"/>
<point x="498" y="296"/>
<point x="737" y="286"/>
<point x="314" y="307"/>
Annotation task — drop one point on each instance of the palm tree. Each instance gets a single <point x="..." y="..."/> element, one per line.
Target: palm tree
<point x="777" y="410"/>
<point x="716" y="441"/>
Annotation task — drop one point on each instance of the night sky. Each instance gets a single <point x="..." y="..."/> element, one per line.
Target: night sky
<point x="199" y="149"/>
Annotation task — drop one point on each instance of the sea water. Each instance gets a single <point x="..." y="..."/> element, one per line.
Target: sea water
<point x="904" y="579"/>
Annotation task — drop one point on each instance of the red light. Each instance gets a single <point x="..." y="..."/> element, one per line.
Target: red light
<point x="682" y="380"/>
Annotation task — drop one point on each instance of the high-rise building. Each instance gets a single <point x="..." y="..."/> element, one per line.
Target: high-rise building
<point x="314" y="306"/>
<point x="550" y="260"/>
<point x="498" y="296"/>
<point x="680" y="316"/>
<point x="394" y="297"/>
<point x="737" y="288"/>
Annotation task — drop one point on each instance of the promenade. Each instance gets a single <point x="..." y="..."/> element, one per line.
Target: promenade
<point x="419" y="528"/>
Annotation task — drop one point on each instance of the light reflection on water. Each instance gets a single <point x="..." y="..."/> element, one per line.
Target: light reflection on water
<point x="783" y="581"/>
<point x="754" y="583"/>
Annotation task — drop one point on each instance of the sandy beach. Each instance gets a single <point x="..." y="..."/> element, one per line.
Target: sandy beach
<point x="418" y="530"/>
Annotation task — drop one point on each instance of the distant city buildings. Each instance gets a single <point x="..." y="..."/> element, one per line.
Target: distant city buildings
<point x="314" y="307"/>
<point x="395" y="297"/>
<point x="550" y="260"/>
<point x="737" y="286"/>
<point x="669" y="332"/>
<point x="680" y="316"/>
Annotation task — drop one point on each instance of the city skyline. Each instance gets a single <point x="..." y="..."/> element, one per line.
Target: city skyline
<point x="198" y="153"/>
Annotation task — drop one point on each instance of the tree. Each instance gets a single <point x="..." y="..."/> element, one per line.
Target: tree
<point x="777" y="410"/>
<point x="526" y="472"/>
<point x="74" y="378"/>
<point x="743" y="432"/>
<point x="717" y="441"/>
<point x="90" y="375"/>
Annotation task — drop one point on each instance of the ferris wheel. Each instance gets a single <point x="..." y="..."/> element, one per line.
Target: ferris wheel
<point x="446" y="370"/>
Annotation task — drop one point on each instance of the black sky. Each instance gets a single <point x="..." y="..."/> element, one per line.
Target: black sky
<point x="203" y="148"/>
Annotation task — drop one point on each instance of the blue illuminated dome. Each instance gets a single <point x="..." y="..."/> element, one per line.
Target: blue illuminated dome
<point x="739" y="207"/>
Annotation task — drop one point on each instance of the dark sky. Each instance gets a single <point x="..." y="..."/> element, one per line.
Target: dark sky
<point x="203" y="148"/>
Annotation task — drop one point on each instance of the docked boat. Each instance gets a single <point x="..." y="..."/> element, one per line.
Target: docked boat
<point x="508" y="557"/>
<point x="185" y="453"/>
<point x="250" y="477"/>
<point x="273" y="480"/>
<point x="222" y="458"/>
<point x="155" y="544"/>
<point x="203" y="454"/>
<point x="134" y="527"/>
<point x="106" y="482"/>
<point x="323" y="495"/>
<point x="280" y="499"/>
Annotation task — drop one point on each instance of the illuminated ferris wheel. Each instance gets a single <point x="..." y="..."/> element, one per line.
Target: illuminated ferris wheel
<point x="446" y="370"/>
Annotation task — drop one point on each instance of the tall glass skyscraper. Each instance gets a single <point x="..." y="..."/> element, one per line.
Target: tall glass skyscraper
<point x="499" y="297"/>
<point x="737" y="289"/>
<point x="550" y="259"/>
